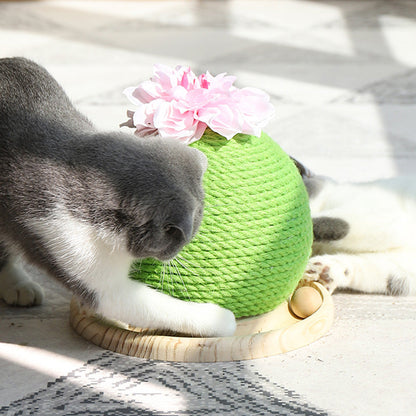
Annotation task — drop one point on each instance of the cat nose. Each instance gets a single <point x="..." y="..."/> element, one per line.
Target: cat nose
<point x="181" y="230"/>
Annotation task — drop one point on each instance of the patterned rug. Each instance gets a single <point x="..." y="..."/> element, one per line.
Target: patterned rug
<point x="115" y="385"/>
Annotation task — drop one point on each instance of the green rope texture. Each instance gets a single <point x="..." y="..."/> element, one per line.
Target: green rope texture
<point x="256" y="234"/>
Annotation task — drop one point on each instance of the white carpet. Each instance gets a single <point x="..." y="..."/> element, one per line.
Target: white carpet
<point x="342" y="75"/>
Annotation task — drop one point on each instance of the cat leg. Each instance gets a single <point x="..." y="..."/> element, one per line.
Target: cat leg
<point x="97" y="273"/>
<point x="16" y="287"/>
<point x="112" y="294"/>
<point x="135" y="303"/>
<point x="392" y="273"/>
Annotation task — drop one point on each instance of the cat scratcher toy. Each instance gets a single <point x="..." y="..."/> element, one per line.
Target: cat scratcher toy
<point x="255" y="237"/>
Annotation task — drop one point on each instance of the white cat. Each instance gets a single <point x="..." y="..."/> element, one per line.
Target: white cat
<point x="364" y="234"/>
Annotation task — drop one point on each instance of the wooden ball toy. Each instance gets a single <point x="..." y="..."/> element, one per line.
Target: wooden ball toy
<point x="305" y="301"/>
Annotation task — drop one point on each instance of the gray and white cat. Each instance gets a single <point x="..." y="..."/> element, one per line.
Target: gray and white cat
<point x="81" y="205"/>
<point x="364" y="234"/>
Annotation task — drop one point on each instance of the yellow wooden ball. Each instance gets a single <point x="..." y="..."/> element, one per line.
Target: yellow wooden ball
<point x="305" y="301"/>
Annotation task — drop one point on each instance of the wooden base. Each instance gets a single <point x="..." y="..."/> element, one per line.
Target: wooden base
<point x="269" y="334"/>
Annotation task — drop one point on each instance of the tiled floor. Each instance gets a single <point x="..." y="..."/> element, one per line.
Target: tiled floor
<point x="342" y="76"/>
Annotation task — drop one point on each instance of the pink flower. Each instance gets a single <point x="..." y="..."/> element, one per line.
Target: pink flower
<point x="175" y="103"/>
<point x="171" y="122"/>
<point x="253" y="104"/>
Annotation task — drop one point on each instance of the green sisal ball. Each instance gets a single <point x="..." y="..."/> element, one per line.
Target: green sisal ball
<point x="256" y="235"/>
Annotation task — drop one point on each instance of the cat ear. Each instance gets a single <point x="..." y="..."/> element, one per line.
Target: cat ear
<point x="203" y="160"/>
<point x="303" y="170"/>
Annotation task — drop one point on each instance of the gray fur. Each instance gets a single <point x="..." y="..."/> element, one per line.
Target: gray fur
<point x="51" y="156"/>
<point x="313" y="186"/>
<point x="324" y="228"/>
<point x="313" y="183"/>
<point x="397" y="286"/>
<point x="329" y="228"/>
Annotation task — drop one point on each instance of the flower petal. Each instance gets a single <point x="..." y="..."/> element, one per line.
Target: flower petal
<point x="178" y="104"/>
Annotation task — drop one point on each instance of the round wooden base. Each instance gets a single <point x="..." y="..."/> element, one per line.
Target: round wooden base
<point x="269" y="334"/>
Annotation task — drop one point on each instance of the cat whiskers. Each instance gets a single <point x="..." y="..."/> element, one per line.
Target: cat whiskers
<point x="162" y="275"/>
<point x="172" y="276"/>
<point x="179" y="274"/>
<point x="171" y="290"/>
<point x="180" y="259"/>
<point x="138" y="266"/>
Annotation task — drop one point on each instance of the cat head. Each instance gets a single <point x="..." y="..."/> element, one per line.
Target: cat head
<point x="161" y="197"/>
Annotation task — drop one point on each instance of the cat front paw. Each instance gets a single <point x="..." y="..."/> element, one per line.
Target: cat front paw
<point x="213" y="321"/>
<point x="26" y="293"/>
<point x="327" y="271"/>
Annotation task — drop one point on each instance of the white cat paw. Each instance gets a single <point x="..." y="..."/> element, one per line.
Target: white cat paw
<point x="214" y="321"/>
<point x="23" y="294"/>
<point x="327" y="271"/>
